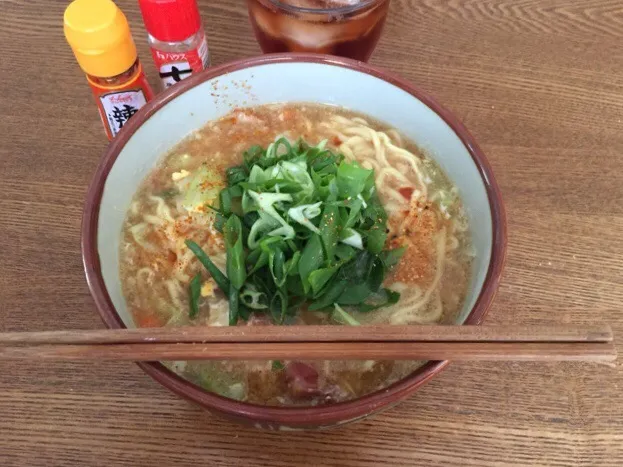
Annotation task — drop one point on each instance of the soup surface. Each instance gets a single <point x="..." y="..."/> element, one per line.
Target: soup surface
<point x="172" y="205"/>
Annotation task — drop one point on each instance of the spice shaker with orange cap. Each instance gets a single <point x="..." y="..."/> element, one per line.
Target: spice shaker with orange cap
<point x="99" y="35"/>
<point x="176" y="38"/>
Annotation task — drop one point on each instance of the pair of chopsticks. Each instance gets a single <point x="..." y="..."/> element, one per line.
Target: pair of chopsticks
<point x="459" y="343"/>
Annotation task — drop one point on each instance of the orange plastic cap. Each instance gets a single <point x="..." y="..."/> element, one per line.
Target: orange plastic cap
<point x="99" y="35"/>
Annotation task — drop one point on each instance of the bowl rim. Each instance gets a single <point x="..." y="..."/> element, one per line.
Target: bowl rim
<point x="290" y="416"/>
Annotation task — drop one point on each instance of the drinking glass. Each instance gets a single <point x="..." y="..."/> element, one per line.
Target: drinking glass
<point x="349" y="28"/>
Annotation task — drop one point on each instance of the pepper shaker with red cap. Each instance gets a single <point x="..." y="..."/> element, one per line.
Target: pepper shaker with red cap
<point x="176" y="38"/>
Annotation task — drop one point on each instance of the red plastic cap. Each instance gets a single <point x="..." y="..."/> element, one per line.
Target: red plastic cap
<point x="170" y="20"/>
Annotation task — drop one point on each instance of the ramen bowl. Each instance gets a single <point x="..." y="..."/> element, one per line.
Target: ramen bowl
<point x="280" y="78"/>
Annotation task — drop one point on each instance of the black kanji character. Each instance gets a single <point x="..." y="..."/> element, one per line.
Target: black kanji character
<point x="123" y="115"/>
<point x="175" y="73"/>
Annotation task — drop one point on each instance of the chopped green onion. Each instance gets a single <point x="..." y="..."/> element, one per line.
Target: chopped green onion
<point x="330" y="229"/>
<point x="391" y="258"/>
<point x="352" y="237"/>
<point x="234" y="304"/>
<point x="278" y="365"/>
<point x="311" y="259"/>
<point x="194" y="291"/>
<point x="352" y="179"/>
<point x="302" y="214"/>
<point x="221" y="280"/>
<point x="279" y="306"/>
<point x="341" y="316"/>
<point x="252" y="298"/>
<point x="277" y="264"/>
<point x="236" y="272"/>
<point x="301" y="226"/>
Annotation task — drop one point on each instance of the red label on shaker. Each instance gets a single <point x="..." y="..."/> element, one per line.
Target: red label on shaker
<point x="117" y="105"/>
<point x="173" y="67"/>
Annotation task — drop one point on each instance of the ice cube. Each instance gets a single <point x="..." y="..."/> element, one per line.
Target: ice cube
<point x="310" y="36"/>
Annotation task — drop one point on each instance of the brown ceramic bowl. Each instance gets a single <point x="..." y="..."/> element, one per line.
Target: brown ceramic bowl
<point x="289" y="78"/>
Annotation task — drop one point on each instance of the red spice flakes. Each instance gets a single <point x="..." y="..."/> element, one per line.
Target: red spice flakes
<point x="289" y="114"/>
<point x="336" y="141"/>
<point x="415" y="265"/>
<point x="418" y="235"/>
<point x="211" y="184"/>
<point x="406" y="191"/>
<point x="172" y="257"/>
<point x="183" y="226"/>
<point x="147" y="320"/>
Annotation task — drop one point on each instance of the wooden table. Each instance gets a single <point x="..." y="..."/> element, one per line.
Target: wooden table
<point x="539" y="83"/>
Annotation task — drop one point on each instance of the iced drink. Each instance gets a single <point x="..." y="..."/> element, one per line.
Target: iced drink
<point x="350" y="28"/>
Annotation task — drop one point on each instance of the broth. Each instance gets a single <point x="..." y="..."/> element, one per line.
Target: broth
<point x="424" y="211"/>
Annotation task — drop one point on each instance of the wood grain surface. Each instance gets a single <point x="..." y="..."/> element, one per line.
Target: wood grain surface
<point x="540" y="85"/>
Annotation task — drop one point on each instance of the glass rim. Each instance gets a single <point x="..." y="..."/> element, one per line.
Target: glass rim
<point x="340" y="10"/>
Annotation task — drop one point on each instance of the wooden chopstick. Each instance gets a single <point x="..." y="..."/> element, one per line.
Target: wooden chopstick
<point x="376" y="333"/>
<point x="459" y="343"/>
<point x="457" y="351"/>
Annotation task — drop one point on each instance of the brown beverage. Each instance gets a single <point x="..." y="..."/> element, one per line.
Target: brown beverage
<point x="349" y="28"/>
